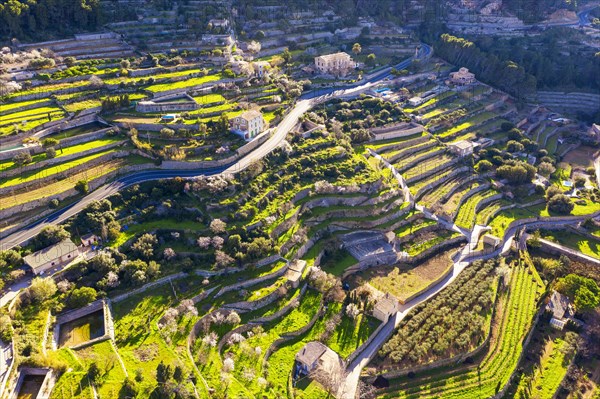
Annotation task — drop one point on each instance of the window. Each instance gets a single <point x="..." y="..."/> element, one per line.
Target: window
<point x="52" y="264"/>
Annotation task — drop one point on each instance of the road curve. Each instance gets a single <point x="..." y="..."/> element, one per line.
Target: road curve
<point x="306" y="102"/>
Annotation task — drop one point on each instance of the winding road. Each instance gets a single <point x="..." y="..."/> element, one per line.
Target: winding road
<point x="305" y="103"/>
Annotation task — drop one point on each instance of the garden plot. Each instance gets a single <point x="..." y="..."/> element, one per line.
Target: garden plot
<point x="466" y="214"/>
<point x="405" y="281"/>
<point x="80" y="326"/>
<point x="434" y="197"/>
<point x="514" y="317"/>
<point x="468" y="124"/>
<point x="436" y="163"/>
<point x="364" y="244"/>
<point x="578" y="242"/>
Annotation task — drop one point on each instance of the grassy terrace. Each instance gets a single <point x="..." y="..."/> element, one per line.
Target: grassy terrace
<point x="503" y="219"/>
<point x="578" y="242"/>
<point x="451" y="205"/>
<point x="5" y="108"/>
<point x="50" y="88"/>
<point x="28" y="119"/>
<point x="484" y="214"/>
<point x="183" y="84"/>
<point x="438" y="163"/>
<point x="434" y="180"/>
<point x="469" y="123"/>
<point x="404" y="281"/>
<point x="421" y="155"/>
<point x="466" y="214"/>
<point x="434" y="196"/>
<point x="513" y="320"/>
<point x="82" y="105"/>
<point x="50" y="171"/>
<point x="61" y="186"/>
<point x="75" y="149"/>
<point x="375" y="146"/>
<point x="545" y="377"/>
<point x="432" y="101"/>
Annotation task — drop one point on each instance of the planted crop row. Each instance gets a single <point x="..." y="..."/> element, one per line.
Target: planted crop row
<point x="466" y="213"/>
<point x="484" y="380"/>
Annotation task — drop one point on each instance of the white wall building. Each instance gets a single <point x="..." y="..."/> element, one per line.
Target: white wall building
<point x="249" y="124"/>
<point x="335" y="64"/>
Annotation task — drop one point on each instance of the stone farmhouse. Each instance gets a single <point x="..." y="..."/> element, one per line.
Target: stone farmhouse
<point x="249" y="124"/>
<point x="53" y="256"/>
<point x="462" y="77"/>
<point x="461" y="148"/>
<point x="385" y="307"/>
<point x="313" y="356"/>
<point x="171" y="103"/>
<point x="561" y="309"/>
<point x="335" y="64"/>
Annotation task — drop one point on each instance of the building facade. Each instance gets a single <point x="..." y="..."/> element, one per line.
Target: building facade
<point x="249" y="124"/>
<point x="53" y="256"/>
<point x="335" y="64"/>
<point x="462" y="77"/>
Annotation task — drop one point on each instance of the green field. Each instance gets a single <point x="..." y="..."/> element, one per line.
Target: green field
<point x="82" y="330"/>
<point x="184" y="83"/>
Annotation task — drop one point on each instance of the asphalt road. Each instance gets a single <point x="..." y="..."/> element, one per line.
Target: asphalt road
<point x="305" y="103"/>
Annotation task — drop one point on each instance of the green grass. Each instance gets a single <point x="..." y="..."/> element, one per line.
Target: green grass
<point x="138" y="340"/>
<point x="81" y="105"/>
<point x="166" y="223"/>
<point x="75" y="149"/>
<point x="545" y="380"/>
<point x="485" y="378"/>
<point x="51" y="170"/>
<point x="22" y="104"/>
<point x="210" y="98"/>
<point x="466" y="213"/>
<point x="570" y="239"/>
<point x="184" y="83"/>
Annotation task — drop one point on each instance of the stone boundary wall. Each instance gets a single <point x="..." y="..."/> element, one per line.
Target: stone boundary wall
<point x="397" y="133"/>
<point x="83" y="138"/>
<point x="557" y="249"/>
<point x="467" y="180"/>
<point x="404" y="144"/>
<point x="469" y="194"/>
<point x="249" y="306"/>
<point x="487" y="200"/>
<point x="285" y="225"/>
<point x="435" y="170"/>
<point x="58" y="160"/>
<point x="411" y="150"/>
<point x="8" y="372"/>
<point x="109" y="331"/>
<point x="24" y="108"/>
<point x="435" y="184"/>
<point x="281" y="312"/>
<point x="248" y="283"/>
<point x="46" y="386"/>
<point x="43" y="180"/>
<point x="293" y="334"/>
<point x="160" y="281"/>
<point x="93" y="184"/>
<point x="373" y="335"/>
<point x="403" y="168"/>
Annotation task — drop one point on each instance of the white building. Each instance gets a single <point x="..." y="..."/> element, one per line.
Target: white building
<point x="261" y="68"/>
<point x="462" y="77"/>
<point x="249" y="124"/>
<point x="461" y="148"/>
<point x="335" y="64"/>
<point x="385" y="307"/>
<point x="53" y="256"/>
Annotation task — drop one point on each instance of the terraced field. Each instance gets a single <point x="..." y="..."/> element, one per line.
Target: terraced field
<point x="466" y="216"/>
<point x="513" y="321"/>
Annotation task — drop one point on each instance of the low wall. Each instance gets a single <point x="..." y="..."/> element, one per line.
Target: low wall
<point x="82" y="312"/>
<point x="451" y="175"/>
<point x="249" y="283"/>
<point x="404" y="144"/>
<point x="410" y="151"/>
<point x="54" y="161"/>
<point x="43" y="180"/>
<point x="557" y="249"/>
